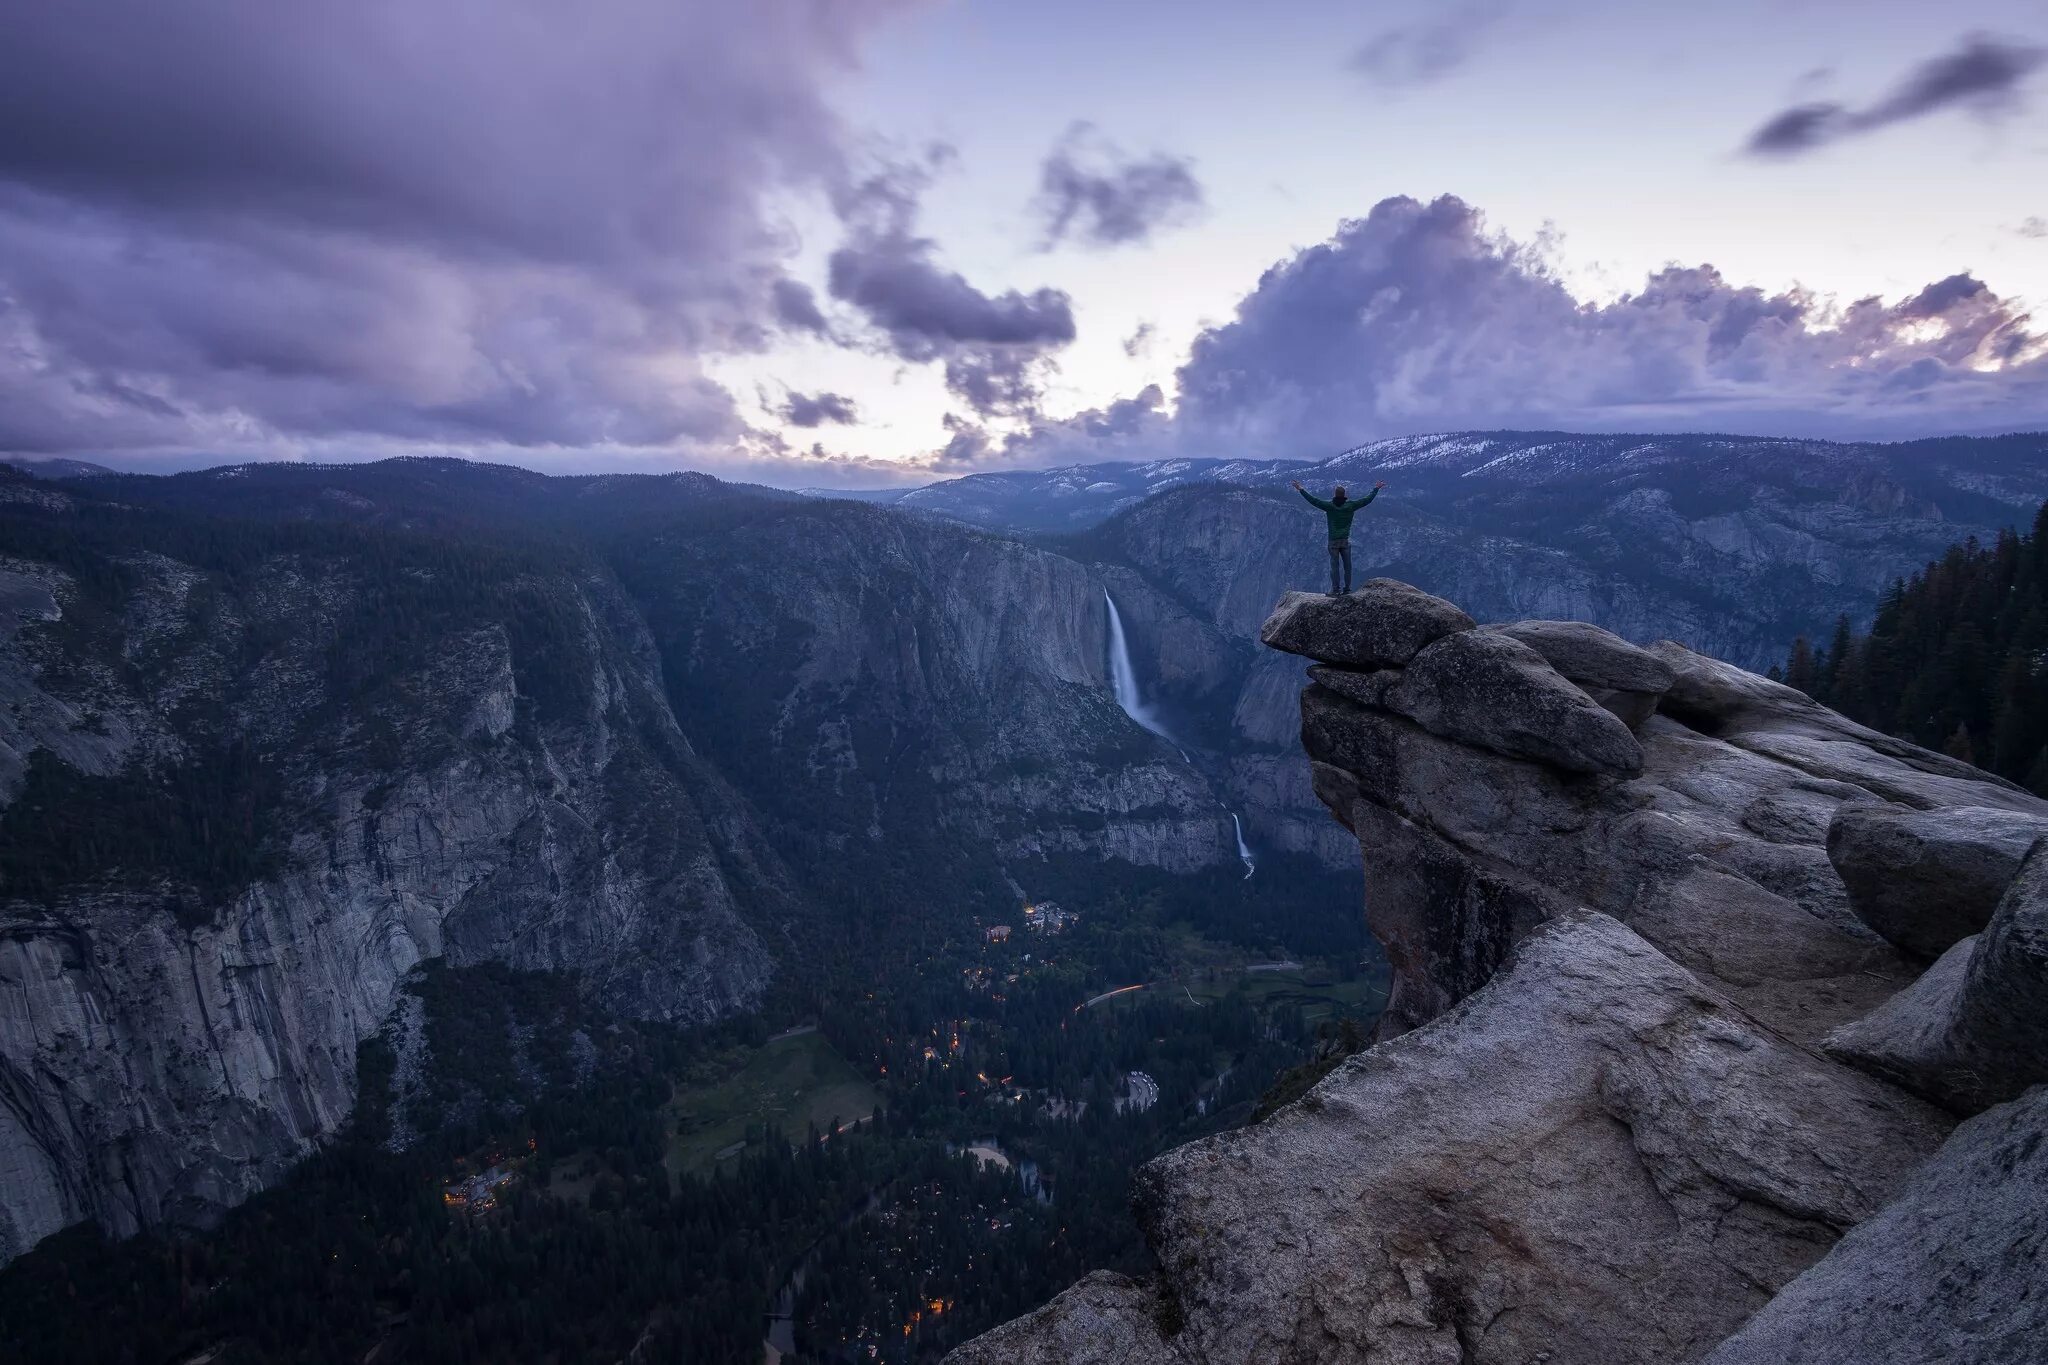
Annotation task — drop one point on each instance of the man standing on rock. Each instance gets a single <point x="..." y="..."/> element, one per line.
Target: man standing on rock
<point x="1339" y="514"/>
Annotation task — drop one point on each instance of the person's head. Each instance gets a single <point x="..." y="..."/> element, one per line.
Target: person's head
<point x="1338" y="496"/>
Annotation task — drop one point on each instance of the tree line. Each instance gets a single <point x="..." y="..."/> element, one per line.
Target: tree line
<point x="1956" y="658"/>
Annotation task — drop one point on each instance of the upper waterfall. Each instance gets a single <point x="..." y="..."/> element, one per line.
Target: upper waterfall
<point x="1124" y="679"/>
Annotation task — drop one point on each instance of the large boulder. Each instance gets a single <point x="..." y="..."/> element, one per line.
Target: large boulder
<point x="1381" y="625"/>
<point x="1497" y="693"/>
<point x="1593" y="1159"/>
<point x="1926" y="879"/>
<point x="1621" y="677"/>
<point x="1954" y="1269"/>
<point x="1592" y="656"/>
<point x="1972" y="1031"/>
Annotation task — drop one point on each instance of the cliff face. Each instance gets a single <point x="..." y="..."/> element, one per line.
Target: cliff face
<point x="172" y="1041"/>
<point x="907" y="676"/>
<point x="1657" y="1040"/>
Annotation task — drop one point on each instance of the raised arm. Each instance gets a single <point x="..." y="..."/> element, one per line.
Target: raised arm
<point x="1314" y="501"/>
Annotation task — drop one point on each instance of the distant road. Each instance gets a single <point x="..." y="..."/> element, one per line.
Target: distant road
<point x="1106" y="995"/>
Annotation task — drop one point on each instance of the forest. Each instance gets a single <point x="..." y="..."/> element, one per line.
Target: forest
<point x="601" y="1247"/>
<point x="1956" y="659"/>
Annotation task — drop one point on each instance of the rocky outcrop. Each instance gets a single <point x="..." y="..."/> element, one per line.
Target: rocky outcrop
<point x="1106" y="1319"/>
<point x="1925" y="879"/>
<point x="1381" y="625"/>
<point x="1974" y="1030"/>
<point x="1600" y="1124"/>
<point x="1498" y="693"/>
<point x="1626" y="680"/>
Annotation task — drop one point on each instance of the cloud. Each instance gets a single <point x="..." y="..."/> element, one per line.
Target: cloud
<point x="994" y="347"/>
<point x="1417" y="54"/>
<point x="1415" y="318"/>
<point x="811" y="410"/>
<point x="1125" y="429"/>
<point x="1091" y="192"/>
<point x="2035" y="226"/>
<point x="1984" y="75"/>
<point x="226" y="225"/>
<point x="1140" y="340"/>
<point x="796" y="307"/>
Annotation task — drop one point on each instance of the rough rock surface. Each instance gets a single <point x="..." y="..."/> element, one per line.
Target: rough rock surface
<point x="1599" y="1125"/>
<point x="164" y="1054"/>
<point x="1592" y="657"/>
<point x="1496" y="692"/>
<point x="1973" y="1031"/>
<point x="1383" y="624"/>
<point x="1954" y="1269"/>
<point x="1925" y="879"/>
<point x="1105" y="1319"/>
<point x="1616" y="674"/>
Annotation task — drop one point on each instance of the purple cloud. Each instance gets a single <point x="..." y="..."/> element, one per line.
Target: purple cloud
<point x="1417" y="54"/>
<point x="1091" y="192"/>
<point x="423" y="224"/>
<point x="993" y="346"/>
<point x="1983" y="75"/>
<point x="816" y="409"/>
<point x="796" y="307"/>
<point x="1415" y="318"/>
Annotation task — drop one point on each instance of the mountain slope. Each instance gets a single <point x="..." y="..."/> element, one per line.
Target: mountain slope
<point x="256" y="767"/>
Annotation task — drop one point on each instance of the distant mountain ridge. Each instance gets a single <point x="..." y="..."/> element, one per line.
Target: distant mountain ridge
<point x="1731" y="544"/>
<point x="2001" y="470"/>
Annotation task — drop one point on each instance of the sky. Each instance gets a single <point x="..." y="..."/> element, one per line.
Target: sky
<point x="865" y="242"/>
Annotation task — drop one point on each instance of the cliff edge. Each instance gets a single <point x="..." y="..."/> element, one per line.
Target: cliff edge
<point x="1717" y="1034"/>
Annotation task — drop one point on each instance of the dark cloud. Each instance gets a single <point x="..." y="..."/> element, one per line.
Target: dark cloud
<point x="1416" y="54"/>
<point x="994" y="347"/>
<point x="1983" y="75"/>
<point x="816" y="409"/>
<point x="1140" y="340"/>
<point x="1415" y="318"/>
<point x="1091" y="192"/>
<point x="796" y="307"/>
<point x="231" y="224"/>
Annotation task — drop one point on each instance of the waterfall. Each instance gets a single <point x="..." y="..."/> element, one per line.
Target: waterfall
<point x="1244" y="851"/>
<point x="1124" y="678"/>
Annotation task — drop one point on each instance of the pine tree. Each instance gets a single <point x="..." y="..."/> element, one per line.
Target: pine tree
<point x="1800" y="671"/>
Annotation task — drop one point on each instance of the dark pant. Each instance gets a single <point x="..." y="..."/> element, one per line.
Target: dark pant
<point x="1340" y="550"/>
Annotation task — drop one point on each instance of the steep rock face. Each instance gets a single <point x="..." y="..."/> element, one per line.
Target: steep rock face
<point x="1599" y="1125"/>
<point x="170" y="1043"/>
<point x="928" y="677"/>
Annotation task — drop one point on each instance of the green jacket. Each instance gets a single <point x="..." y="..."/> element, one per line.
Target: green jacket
<point x="1340" y="515"/>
